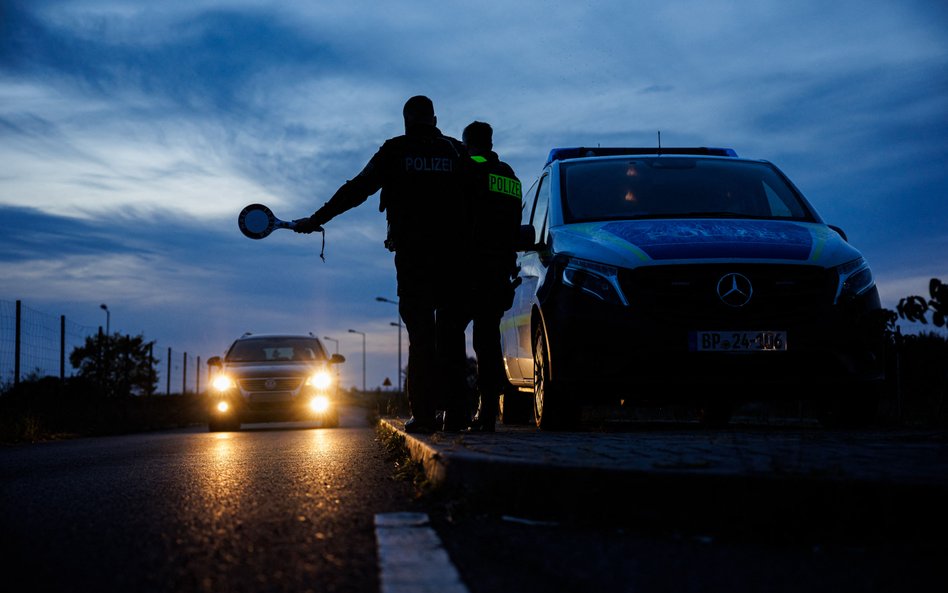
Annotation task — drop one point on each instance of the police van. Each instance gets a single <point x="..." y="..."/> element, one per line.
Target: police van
<point x="684" y="275"/>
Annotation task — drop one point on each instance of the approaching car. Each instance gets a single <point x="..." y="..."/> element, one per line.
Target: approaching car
<point x="273" y="377"/>
<point x="686" y="275"/>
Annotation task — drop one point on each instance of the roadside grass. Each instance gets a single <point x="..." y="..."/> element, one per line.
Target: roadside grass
<point x="34" y="417"/>
<point x="406" y="469"/>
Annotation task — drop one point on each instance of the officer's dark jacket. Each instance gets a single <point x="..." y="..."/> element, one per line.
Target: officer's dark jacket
<point x="425" y="181"/>
<point x="496" y="207"/>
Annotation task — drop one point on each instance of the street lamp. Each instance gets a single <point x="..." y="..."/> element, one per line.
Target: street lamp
<point x="398" y="375"/>
<point x="337" y="352"/>
<point x="352" y="331"/>
<point x="108" y="318"/>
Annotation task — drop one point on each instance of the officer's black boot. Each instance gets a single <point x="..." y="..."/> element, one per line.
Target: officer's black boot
<point x="416" y="426"/>
<point x="486" y="418"/>
<point x="456" y="420"/>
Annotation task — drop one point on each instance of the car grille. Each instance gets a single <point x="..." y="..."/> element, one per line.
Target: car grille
<point x="274" y="397"/>
<point x="689" y="292"/>
<point x="278" y="384"/>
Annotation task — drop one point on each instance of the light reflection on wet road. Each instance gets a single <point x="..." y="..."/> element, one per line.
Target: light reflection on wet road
<point x="276" y="507"/>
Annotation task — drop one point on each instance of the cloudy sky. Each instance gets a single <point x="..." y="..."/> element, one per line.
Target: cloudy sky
<point x="132" y="134"/>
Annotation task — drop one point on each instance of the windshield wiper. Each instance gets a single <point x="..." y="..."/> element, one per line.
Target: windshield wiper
<point x="683" y="215"/>
<point x="677" y="215"/>
<point x="706" y="214"/>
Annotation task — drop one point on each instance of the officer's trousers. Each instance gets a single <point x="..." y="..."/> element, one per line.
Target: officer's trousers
<point x="419" y="317"/>
<point x="491" y="375"/>
<point x="433" y="372"/>
<point x="494" y="295"/>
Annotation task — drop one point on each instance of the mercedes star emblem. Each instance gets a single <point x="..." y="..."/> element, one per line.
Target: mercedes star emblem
<point x="735" y="289"/>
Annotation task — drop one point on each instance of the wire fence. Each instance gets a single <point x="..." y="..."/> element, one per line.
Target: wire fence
<point x="35" y="344"/>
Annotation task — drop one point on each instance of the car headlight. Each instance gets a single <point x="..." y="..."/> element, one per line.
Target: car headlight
<point x="223" y="383"/>
<point x="222" y="406"/>
<point x="320" y="380"/>
<point x="319" y="404"/>
<point x="855" y="278"/>
<point x="598" y="280"/>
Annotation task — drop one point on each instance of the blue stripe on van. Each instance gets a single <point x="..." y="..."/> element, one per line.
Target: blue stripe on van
<point x="715" y="239"/>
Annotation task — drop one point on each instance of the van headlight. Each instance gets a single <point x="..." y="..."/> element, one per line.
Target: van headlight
<point x="320" y="380"/>
<point x="855" y="278"/>
<point x="598" y="280"/>
<point x="223" y="383"/>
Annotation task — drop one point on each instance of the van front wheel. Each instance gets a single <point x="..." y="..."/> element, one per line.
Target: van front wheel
<point x="553" y="408"/>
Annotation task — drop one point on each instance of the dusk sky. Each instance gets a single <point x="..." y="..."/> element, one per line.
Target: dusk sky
<point x="132" y="134"/>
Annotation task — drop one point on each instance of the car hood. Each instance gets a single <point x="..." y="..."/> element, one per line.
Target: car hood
<point x="630" y="243"/>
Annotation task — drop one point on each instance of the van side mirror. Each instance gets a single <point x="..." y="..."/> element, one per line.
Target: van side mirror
<point x="526" y="238"/>
<point x="839" y="232"/>
<point x="337" y="359"/>
<point x="214" y="361"/>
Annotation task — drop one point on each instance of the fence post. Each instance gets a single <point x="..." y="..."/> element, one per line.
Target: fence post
<point x="197" y="376"/>
<point x="151" y="365"/>
<point x="168" y="379"/>
<point x="16" y="347"/>
<point x="184" y="375"/>
<point x="126" y="364"/>
<point x="62" y="347"/>
<point x="98" y="359"/>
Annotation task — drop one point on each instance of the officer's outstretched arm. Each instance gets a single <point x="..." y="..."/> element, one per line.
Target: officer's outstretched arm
<point x="352" y="193"/>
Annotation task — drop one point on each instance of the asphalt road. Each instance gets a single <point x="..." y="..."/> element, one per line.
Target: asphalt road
<point x="292" y="507"/>
<point x="275" y="507"/>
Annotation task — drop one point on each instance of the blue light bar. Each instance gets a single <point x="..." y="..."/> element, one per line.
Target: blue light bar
<point x="559" y="154"/>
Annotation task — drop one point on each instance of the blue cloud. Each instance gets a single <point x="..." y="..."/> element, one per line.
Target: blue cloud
<point x="28" y="234"/>
<point x="202" y="65"/>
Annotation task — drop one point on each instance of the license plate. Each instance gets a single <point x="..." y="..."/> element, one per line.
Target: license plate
<point x="739" y="341"/>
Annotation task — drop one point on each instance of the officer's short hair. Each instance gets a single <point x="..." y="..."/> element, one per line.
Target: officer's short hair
<point x="418" y="108"/>
<point x="479" y="134"/>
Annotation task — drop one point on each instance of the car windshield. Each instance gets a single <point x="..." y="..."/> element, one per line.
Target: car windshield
<point x="677" y="187"/>
<point x="276" y="350"/>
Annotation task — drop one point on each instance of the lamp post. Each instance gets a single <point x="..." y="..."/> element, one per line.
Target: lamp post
<point x="398" y="375"/>
<point x="352" y="331"/>
<point x="336" y="367"/>
<point x="108" y="318"/>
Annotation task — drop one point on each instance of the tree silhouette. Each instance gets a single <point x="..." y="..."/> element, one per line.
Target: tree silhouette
<point x="916" y="308"/>
<point x="119" y="365"/>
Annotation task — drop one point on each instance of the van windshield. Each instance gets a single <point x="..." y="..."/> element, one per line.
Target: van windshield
<point x="678" y="187"/>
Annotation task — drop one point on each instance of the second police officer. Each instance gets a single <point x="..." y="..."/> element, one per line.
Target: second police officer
<point x="495" y="209"/>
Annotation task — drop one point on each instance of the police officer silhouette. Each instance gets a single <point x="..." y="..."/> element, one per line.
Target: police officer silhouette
<point x="495" y="210"/>
<point x="423" y="178"/>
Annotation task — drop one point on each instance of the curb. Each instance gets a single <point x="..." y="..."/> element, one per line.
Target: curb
<point x="700" y="500"/>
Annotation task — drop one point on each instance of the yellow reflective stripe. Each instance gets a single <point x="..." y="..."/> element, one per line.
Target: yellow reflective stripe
<point x="478" y="159"/>
<point x="522" y="320"/>
<point x="505" y="185"/>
